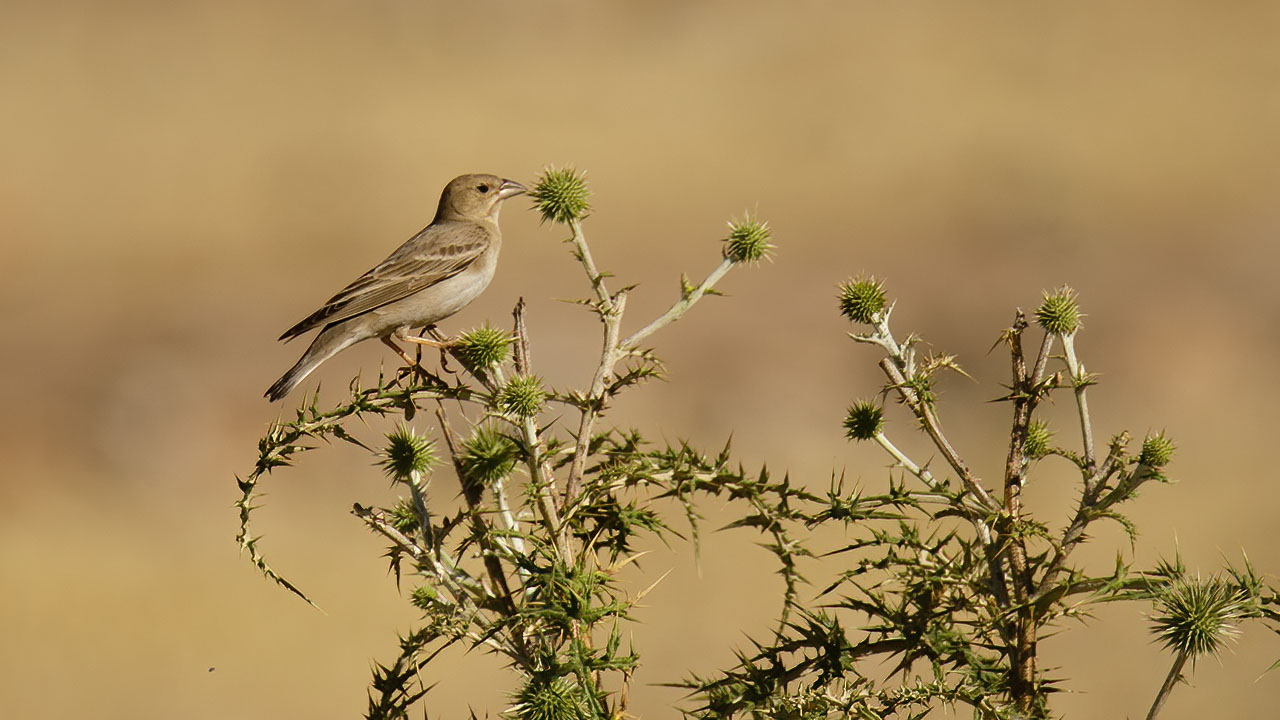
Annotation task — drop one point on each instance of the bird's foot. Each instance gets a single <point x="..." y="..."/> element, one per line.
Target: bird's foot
<point x="437" y="340"/>
<point x="414" y="364"/>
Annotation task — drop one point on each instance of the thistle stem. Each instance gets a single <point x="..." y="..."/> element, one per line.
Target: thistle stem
<point x="680" y="307"/>
<point x="1175" y="674"/>
<point x="609" y="355"/>
<point x="588" y="264"/>
<point x="1078" y="380"/>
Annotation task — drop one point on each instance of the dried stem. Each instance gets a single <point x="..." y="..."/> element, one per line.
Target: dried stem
<point x="539" y="472"/>
<point x="931" y="426"/>
<point x="1025" y="396"/>
<point x="521" y="356"/>
<point x="898" y="366"/>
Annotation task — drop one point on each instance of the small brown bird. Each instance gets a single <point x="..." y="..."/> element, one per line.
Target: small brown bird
<point x="433" y="275"/>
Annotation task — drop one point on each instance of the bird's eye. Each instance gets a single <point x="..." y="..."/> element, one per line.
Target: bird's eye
<point x="483" y="188"/>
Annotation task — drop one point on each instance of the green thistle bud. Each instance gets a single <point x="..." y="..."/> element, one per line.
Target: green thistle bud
<point x="483" y="347"/>
<point x="1039" y="438"/>
<point x="561" y="195"/>
<point x="922" y="387"/>
<point x="407" y="453"/>
<point x="488" y="455"/>
<point x="862" y="299"/>
<point x="424" y="597"/>
<point x="404" y="517"/>
<point x="748" y="241"/>
<point x="1196" y="617"/>
<point x="1157" y="450"/>
<point x="554" y="699"/>
<point x="523" y="396"/>
<point x="1059" y="313"/>
<point x="864" y="421"/>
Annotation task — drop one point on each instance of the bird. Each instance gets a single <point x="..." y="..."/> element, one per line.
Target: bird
<point x="433" y="275"/>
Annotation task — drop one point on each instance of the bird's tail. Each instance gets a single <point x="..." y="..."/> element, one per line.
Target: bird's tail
<point x="290" y="380"/>
<point x="327" y="344"/>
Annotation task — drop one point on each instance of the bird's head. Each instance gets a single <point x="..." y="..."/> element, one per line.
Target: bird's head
<point x="476" y="197"/>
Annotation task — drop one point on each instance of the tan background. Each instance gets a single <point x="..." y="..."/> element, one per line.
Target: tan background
<point x="181" y="181"/>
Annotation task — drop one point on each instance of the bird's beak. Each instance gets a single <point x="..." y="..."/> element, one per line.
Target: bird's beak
<point x="510" y="188"/>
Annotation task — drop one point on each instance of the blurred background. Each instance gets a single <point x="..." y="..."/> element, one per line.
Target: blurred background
<point x="181" y="181"/>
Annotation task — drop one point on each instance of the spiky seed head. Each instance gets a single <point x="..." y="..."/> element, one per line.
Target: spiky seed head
<point x="483" y="348"/>
<point x="404" y="517"/>
<point x="1060" y="312"/>
<point x="561" y="195"/>
<point x="864" y="421"/>
<point x="1197" y="617"/>
<point x="862" y="299"/>
<point x="407" y="453"/>
<point x="548" y="699"/>
<point x="487" y="456"/>
<point x="1039" y="439"/>
<point x="424" y="597"/>
<point x="522" y="396"/>
<point x="748" y="241"/>
<point x="1157" y="450"/>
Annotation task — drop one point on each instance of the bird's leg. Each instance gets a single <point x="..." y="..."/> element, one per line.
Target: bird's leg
<point x="438" y="341"/>
<point x="411" y="365"/>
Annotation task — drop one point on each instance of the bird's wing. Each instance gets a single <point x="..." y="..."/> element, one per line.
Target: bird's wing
<point x="437" y="253"/>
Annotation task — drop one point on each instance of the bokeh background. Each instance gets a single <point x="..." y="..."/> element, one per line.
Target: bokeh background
<point x="180" y="181"/>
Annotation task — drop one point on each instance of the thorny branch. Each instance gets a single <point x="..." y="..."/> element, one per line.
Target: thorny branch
<point x="536" y="591"/>
<point x="948" y="577"/>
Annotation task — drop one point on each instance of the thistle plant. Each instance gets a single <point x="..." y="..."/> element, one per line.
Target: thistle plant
<point x="527" y="566"/>
<point x="936" y="593"/>
<point x="949" y="577"/>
